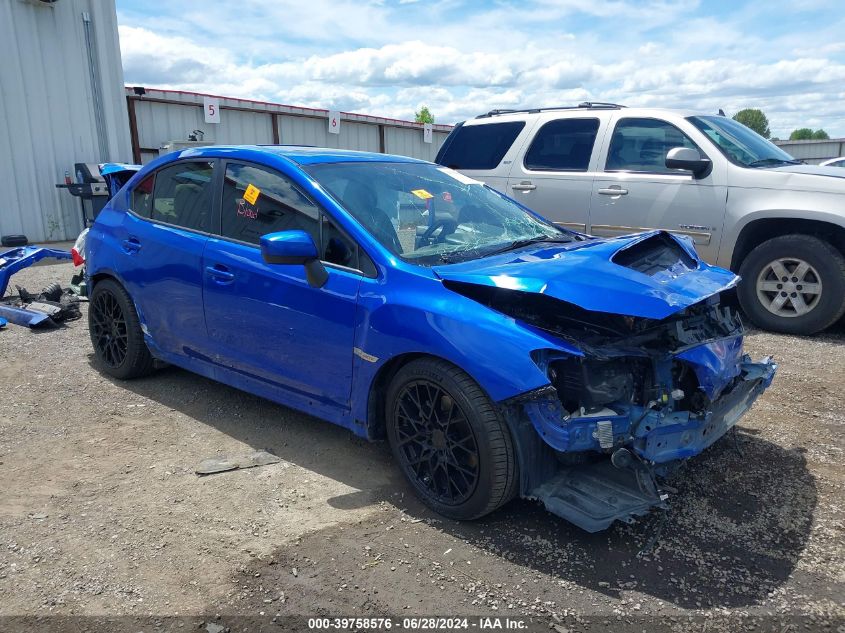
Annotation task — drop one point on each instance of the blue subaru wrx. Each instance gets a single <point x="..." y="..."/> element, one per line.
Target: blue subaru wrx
<point x="499" y="354"/>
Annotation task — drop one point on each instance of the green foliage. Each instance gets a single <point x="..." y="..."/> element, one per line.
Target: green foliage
<point x="801" y="134"/>
<point x="754" y="119"/>
<point x="821" y="135"/>
<point x="424" y="116"/>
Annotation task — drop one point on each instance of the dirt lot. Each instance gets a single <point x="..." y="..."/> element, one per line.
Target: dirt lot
<point x="101" y="513"/>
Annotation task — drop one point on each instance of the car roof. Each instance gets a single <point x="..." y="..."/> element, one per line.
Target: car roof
<point x="302" y="154"/>
<point x="580" y="112"/>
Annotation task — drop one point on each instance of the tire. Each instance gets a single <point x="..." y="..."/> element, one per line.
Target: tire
<point x="116" y="332"/>
<point x="470" y="468"/>
<point x="768" y="301"/>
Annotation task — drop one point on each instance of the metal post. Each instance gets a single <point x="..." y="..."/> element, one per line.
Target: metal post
<point x="96" y="92"/>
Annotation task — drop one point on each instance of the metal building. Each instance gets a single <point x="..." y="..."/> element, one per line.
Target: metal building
<point x="814" y="151"/>
<point x="61" y="102"/>
<point x="162" y="120"/>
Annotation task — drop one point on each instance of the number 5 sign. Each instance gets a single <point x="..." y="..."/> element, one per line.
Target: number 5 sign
<point x="211" y="107"/>
<point x="334" y="122"/>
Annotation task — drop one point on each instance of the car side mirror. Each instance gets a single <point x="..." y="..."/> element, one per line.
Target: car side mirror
<point x="292" y="248"/>
<point x="689" y="159"/>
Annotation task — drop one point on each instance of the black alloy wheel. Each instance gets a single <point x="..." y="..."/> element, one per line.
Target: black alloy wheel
<point x="435" y="441"/>
<point x="450" y="440"/>
<point x="116" y="332"/>
<point x="108" y="329"/>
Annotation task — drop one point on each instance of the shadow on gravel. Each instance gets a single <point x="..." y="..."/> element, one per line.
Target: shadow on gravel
<point x="737" y="527"/>
<point x="736" y="530"/>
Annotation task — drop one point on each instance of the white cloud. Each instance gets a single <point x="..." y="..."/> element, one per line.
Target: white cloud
<point x="387" y="59"/>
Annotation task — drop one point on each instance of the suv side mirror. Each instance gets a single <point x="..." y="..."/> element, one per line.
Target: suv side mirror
<point x="689" y="159"/>
<point x="295" y="247"/>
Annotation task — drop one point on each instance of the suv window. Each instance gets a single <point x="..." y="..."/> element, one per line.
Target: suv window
<point x="182" y="195"/>
<point x="642" y="144"/>
<point x="258" y="201"/>
<point x="142" y="197"/>
<point x="563" y="145"/>
<point x="479" y="146"/>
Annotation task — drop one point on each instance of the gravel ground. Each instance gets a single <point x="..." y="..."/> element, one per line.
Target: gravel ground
<point x="101" y="513"/>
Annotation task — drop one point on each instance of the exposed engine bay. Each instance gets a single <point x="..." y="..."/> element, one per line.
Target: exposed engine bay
<point x="641" y="396"/>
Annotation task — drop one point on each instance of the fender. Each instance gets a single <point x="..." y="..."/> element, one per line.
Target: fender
<point x="482" y="342"/>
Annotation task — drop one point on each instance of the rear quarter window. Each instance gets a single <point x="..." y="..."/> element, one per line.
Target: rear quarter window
<point x="142" y="197"/>
<point x="182" y="195"/>
<point x="480" y="146"/>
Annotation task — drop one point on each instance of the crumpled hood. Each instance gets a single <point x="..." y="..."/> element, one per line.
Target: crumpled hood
<point x="584" y="274"/>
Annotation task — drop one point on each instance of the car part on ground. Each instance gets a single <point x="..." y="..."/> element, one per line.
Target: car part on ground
<point x="499" y="354"/>
<point x="214" y="465"/>
<point x="48" y="307"/>
<point x="51" y="306"/>
<point x="16" y="259"/>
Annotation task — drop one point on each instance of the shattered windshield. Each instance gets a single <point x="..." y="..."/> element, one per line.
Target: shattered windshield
<point x="428" y="214"/>
<point x="740" y="144"/>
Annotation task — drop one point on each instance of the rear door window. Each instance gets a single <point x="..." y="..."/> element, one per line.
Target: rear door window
<point x="642" y="145"/>
<point x="182" y="195"/>
<point x="563" y="145"/>
<point x="480" y="146"/>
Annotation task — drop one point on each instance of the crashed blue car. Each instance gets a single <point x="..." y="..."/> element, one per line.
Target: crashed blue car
<point x="499" y="354"/>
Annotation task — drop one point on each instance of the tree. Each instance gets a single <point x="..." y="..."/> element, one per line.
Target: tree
<point x="754" y="119"/>
<point x="424" y="116"/>
<point x="801" y="134"/>
<point x="820" y="135"/>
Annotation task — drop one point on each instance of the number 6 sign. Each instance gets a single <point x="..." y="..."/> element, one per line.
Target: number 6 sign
<point x="334" y="122"/>
<point x="211" y="107"/>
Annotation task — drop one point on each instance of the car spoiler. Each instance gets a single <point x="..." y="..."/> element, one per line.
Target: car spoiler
<point x="117" y="174"/>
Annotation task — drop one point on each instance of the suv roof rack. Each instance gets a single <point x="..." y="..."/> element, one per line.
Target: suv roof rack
<point x="588" y="105"/>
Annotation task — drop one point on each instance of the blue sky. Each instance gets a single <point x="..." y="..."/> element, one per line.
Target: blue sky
<point x="389" y="57"/>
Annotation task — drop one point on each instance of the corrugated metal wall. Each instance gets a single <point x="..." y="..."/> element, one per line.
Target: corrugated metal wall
<point x="47" y="119"/>
<point x="814" y="152"/>
<point x="162" y="116"/>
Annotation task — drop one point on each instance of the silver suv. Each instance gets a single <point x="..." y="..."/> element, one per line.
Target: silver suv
<point x="608" y="170"/>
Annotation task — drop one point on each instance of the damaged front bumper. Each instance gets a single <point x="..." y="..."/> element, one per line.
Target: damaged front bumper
<point x="622" y="447"/>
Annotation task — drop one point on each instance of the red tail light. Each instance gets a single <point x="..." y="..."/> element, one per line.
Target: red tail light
<point x="78" y="259"/>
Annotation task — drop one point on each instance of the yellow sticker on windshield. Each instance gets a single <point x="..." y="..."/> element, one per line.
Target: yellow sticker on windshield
<point x="251" y="194"/>
<point x="422" y="193"/>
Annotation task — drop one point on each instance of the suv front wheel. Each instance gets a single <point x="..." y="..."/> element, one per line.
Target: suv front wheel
<point x="793" y="284"/>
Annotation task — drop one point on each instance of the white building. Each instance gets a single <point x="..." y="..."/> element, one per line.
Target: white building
<point x="61" y="102"/>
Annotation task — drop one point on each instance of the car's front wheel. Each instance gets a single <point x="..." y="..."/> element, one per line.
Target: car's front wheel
<point x="793" y="284"/>
<point x="116" y="332"/>
<point x="452" y="444"/>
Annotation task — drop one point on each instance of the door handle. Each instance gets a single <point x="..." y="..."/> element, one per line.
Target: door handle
<point x="131" y="245"/>
<point x="525" y="185"/>
<point x="614" y="190"/>
<point x="220" y="273"/>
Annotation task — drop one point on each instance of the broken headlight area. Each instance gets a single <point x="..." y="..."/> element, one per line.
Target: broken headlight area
<point x="597" y="442"/>
<point x="630" y="409"/>
<point x="657" y="408"/>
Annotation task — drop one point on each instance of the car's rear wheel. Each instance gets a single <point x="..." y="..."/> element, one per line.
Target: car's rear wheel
<point x="116" y="332"/>
<point x="451" y="443"/>
<point x="793" y="284"/>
